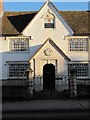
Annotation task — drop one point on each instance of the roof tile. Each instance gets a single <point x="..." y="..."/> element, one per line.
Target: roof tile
<point x="13" y="23"/>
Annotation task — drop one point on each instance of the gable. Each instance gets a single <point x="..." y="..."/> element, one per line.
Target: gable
<point x="16" y="22"/>
<point x="38" y="20"/>
<point x="61" y="19"/>
<point x="49" y="50"/>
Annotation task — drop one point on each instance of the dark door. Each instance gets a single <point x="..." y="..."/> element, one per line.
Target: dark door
<point x="49" y="76"/>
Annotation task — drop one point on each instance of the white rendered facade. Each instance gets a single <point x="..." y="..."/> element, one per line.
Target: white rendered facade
<point x="52" y="39"/>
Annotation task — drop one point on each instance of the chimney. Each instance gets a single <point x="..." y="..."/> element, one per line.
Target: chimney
<point x="1" y="8"/>
<point x="47" y="1"/>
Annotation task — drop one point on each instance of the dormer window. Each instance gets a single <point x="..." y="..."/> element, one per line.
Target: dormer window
<point x="49" y="20"/>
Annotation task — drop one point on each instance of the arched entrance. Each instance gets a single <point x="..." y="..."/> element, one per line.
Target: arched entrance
<point x="49" y="77"/>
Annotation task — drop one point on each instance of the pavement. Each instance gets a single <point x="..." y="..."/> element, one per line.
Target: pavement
<point x="36" y="105"/>
<point x="46" y="108"/>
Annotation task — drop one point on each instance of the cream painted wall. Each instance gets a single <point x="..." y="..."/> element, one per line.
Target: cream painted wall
<point x="58" y="34"/>
<point x="39" y="36"/>
<point x="41" y="59"/>
<point x="78" y="55"/>
<point x="6" y="55"/>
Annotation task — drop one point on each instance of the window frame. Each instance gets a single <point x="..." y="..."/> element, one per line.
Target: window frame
<point x="79" y="70"/>
<point x="17" y="62"/>
<point x="78" y="46"/>
<point x="17" y="51"/>
<point x="51" y="24"/>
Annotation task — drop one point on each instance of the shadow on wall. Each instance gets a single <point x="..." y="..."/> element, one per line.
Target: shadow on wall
<point x="34" y="49"/>
<point x="14" y="56"/>
<point x="18" y="55"/>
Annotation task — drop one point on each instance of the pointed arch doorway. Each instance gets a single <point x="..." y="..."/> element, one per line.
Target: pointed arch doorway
<point x="49" y="77"/>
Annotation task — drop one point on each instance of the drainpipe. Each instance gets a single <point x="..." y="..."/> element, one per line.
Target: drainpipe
<point x="89" y="56"/>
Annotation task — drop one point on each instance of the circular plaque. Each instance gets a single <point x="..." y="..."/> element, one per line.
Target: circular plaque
<point x="48" y="51"/>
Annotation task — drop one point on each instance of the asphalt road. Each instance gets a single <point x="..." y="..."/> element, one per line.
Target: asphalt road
<point x="46" y="115"/>
<point x="46" y="109"/>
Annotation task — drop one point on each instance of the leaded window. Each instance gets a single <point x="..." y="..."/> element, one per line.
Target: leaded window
<point x="19" y="44"/>
<point x="18" y="69"/>
<point x="81" y="69"/>
<point x="78" y="44"/>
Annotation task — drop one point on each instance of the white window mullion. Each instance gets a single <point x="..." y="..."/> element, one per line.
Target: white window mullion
<point x="18" y="44"/>
<point x="78" y="44"/>
<point x="81" y="68"/>
<point x="18" y="70"/>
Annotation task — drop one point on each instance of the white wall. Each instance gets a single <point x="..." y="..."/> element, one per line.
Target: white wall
<point x="40" y="35"/>
<point x="6" y="55"/>
<point x="58" y="34"/>
<point x="41" y="59"/>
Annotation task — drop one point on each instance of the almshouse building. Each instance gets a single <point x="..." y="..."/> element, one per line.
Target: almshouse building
<point x="47" y="43"/>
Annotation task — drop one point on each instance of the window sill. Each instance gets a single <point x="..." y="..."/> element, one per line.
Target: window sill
<point x="82" y="78"/>
<point x="16" y="52"/>
<point x="77" y="52"/>
<point x="17" y="78"/>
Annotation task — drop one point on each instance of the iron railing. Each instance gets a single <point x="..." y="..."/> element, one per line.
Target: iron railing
<point x="61" y="83"/>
